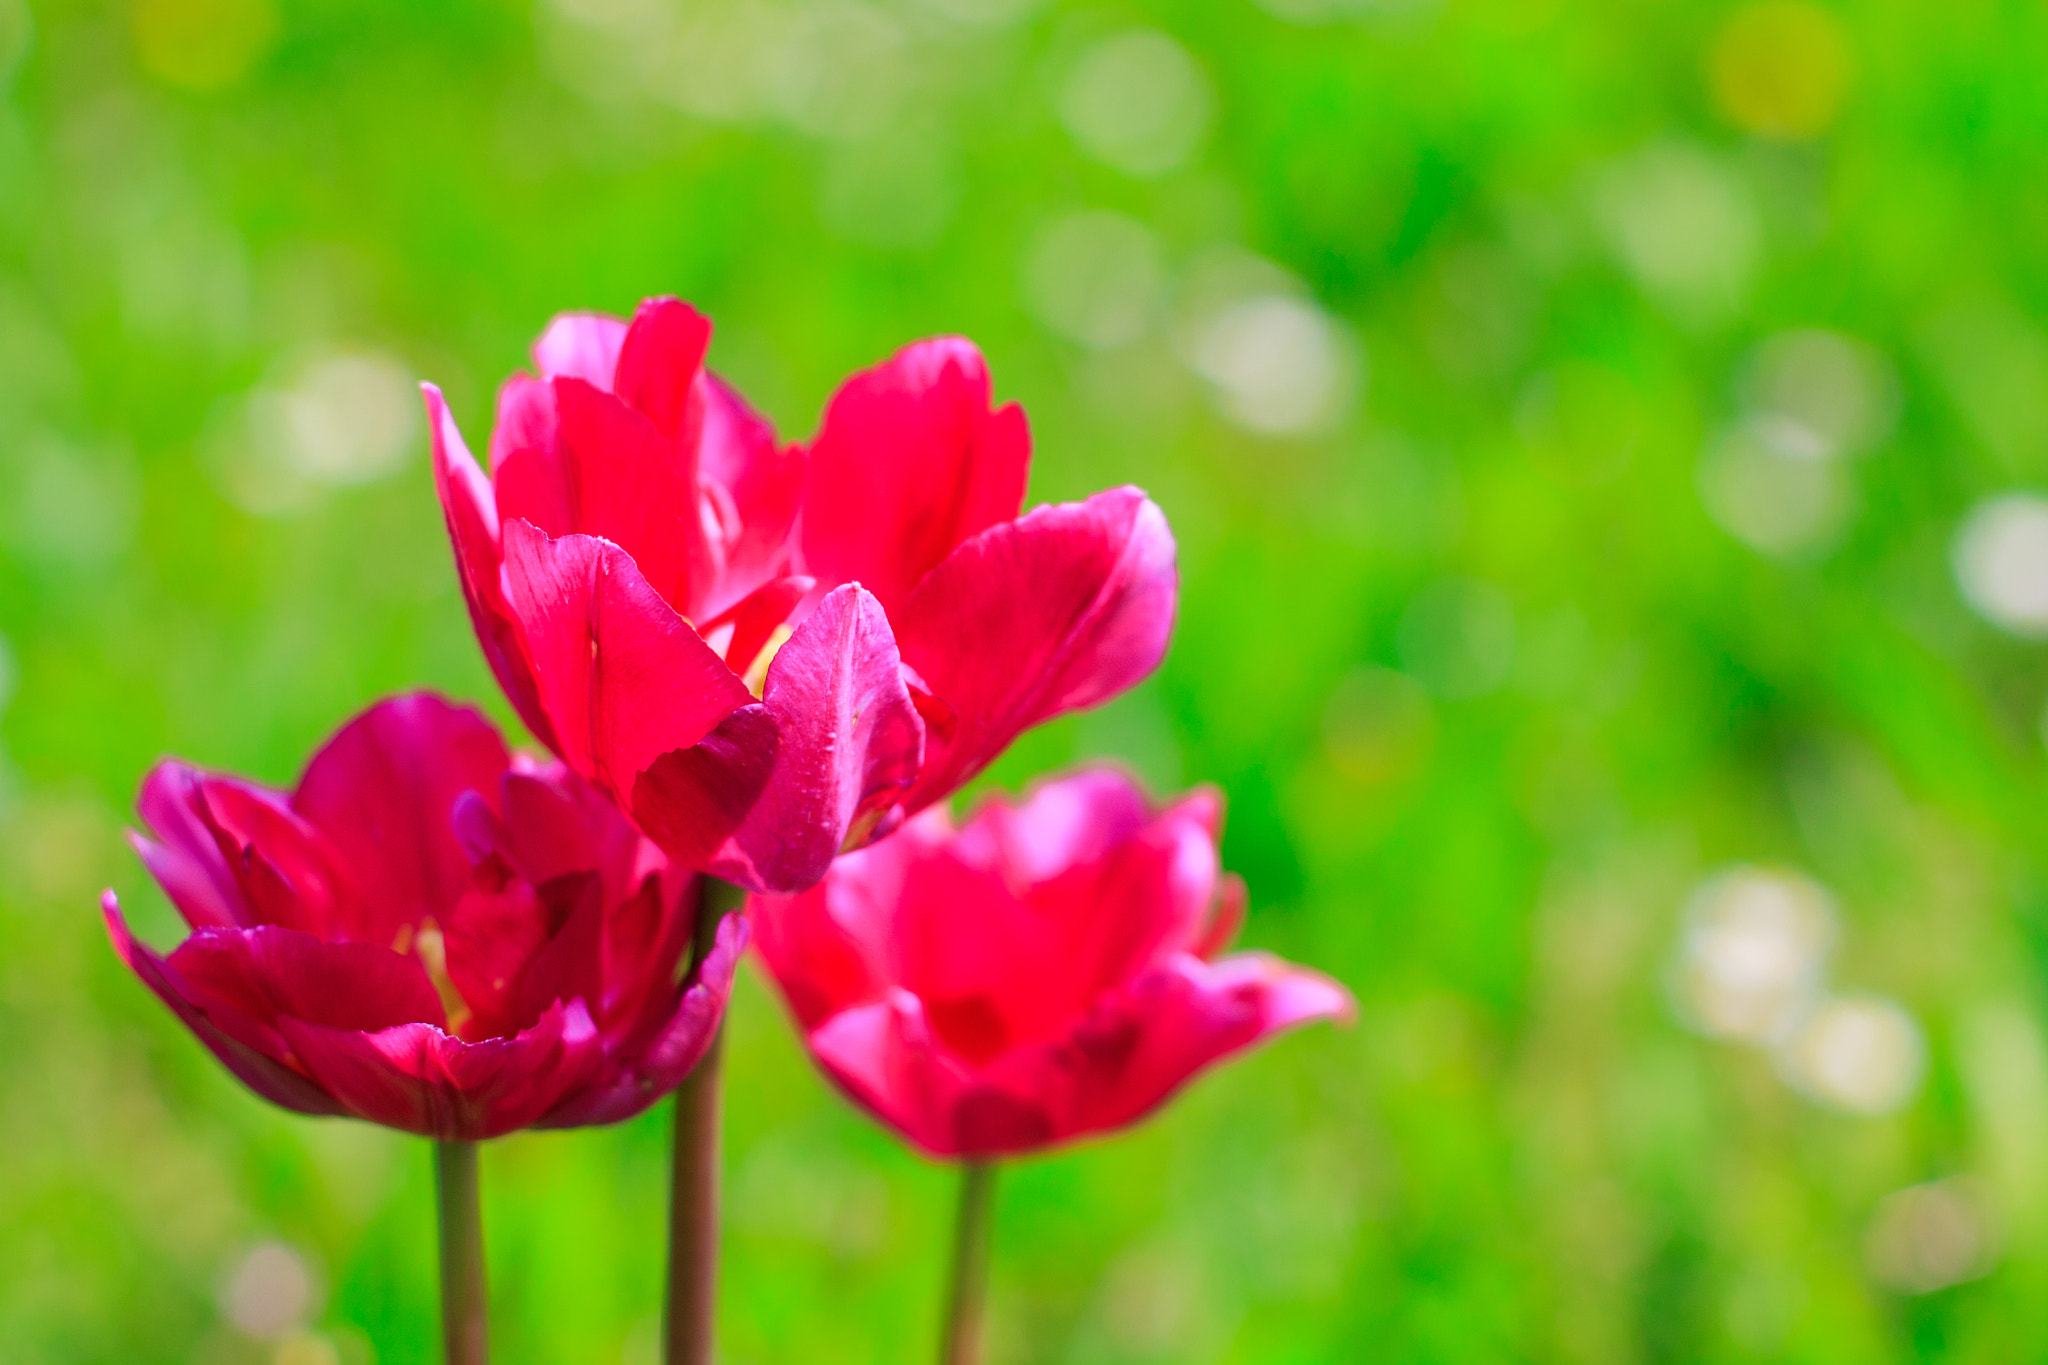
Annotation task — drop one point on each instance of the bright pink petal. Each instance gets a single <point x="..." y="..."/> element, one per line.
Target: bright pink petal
<point x="909" y="463"/>
<point x="469" y="504"/>
<point x="882" y="1057"/>
<point x="742" y="632"/>
<point x="526" y="419"/>
<point x="1064" y="822"/>
<point x="850" y="744"/>
<point x="583" y="346"/>
<point x="1059" y="610"/>
<point x="185" y="858"/>
<point x="754" y="486"/>
<point x="383" y="793"/>
<point x="1184" y="1017"/>
<point x="623" y="678"/>
<point x="284" y="868"/>
<point x="658" y="366"/>
<point x="267" y="1072"/>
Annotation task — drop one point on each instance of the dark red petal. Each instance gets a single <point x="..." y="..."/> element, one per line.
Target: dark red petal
<point x="1061" y="609"/>
<point x="583" y="346"/>
<point x="287" y="872"/>
<point x="267" y="973"/>
<point x="659" y="362"/>
<point x="383" y="792"/>
<point x="850" y="743"/>
<point x="640" y="1070"/>
<point x="910" y="462"/>
<point x="416" y="1078"/>
<point x="269" y="1074"/>
<point x="185" y="858"/>
<point x="689" y="801"/>
<point x="622" y="677"/>
<point x="468" y="503"/>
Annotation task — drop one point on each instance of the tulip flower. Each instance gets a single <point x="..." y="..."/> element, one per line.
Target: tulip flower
<point x="431" y="934"/>
<point x="1046" y="971"/>
<point x="771" y="654"/>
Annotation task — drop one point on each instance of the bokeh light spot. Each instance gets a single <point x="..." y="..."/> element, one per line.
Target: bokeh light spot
<point x="1750" y="959"/>
<point x="1137" y="101"/>
<point x="1929" y="1237"/>
<point x="1863" y="1054"/>
<point x="1780" y="69"/>
<point x="269" y="1292"/>
<point x="2001" y="563"/>
<point x="1096" y="278"/>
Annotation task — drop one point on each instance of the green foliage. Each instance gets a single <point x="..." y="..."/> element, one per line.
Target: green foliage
<point x="1446" y="333"/>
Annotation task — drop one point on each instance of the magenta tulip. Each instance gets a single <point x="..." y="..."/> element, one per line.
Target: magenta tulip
<point x="769" y="655"/>
<point x="1047" y="971"/>
<point x="429" y="933"/>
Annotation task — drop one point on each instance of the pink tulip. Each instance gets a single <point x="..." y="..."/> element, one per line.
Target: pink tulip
<point x="771" y="654"/>
<point x="428" y="933"/>
<point x="1046" y="971"/>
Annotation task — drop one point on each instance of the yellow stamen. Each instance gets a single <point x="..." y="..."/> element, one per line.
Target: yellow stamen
<point x="433" y="954"/>
<point x="757" y="672"/>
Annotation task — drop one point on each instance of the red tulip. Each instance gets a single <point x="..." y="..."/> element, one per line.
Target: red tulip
<point x="766" y="654"/>
<point x="1048" y="970"/>
<point x="428" y="933"/>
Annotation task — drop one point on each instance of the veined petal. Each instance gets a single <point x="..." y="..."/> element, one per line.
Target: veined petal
<point x="267" y="1072"/>
<point x="850" y="744"/>
<point x="659" y="362"/>
<point x="910" y="461"/>
<point x="470" y="507"/>
<point x="1058" y="610"/>
<point x="623" y="678"/>
<point x="642" y="1069"/>
<point x="383" y="792"/>
<point x="417" y="1078"/>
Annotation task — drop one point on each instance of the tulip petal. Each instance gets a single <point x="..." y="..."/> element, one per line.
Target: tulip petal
<point x="658" y="365"/>
<point x="910" y="461"/>
<point x="623" y="676"/>
<point x="850" y="744"/>
<point x="1058" y="610"/>
<point x="582" y="346"/>
<point x="417" y="1078"/>
<point x="690" y="800"/>
<point x="383" y="793"/>
<point x="469" y="505"/>
<point x="649" y="1067"/>
<point x="1145" y="1043"/>
<point x="755" y="486"/>
<point x="269" y="1076"/>
<point x="883" y="1058"/>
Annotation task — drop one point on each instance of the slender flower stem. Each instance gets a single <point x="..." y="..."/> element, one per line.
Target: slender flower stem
<point x="968" y="1294"/>
<point x="693" y="1189"/>
<point x="465" y="1303"/>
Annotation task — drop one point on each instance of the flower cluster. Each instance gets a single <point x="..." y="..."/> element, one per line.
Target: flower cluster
<point x="760" y="662"/>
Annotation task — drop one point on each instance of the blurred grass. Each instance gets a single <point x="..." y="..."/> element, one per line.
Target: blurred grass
<point x="1542" y="240"/>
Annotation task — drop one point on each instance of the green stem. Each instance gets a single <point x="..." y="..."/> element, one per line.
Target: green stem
<point x="693" y="1188"/>
<point x="465" y="1303"/>
<point x="967" y="1297"/>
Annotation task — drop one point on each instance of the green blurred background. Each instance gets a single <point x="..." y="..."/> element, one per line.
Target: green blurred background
<point x="1598" y="434"/>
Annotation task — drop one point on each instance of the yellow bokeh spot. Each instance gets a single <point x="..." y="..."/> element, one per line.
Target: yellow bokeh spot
<point x="202" y="44"/>
<point x="1780" y="68"/>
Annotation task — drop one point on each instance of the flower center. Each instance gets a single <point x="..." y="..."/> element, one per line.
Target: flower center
<point x="431" y="947"/>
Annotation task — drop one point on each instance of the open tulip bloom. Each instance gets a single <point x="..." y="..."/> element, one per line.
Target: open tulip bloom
<point x="1046" y="971"/>
<point x="432" y="934"/>
<point x="770" y="654"/>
